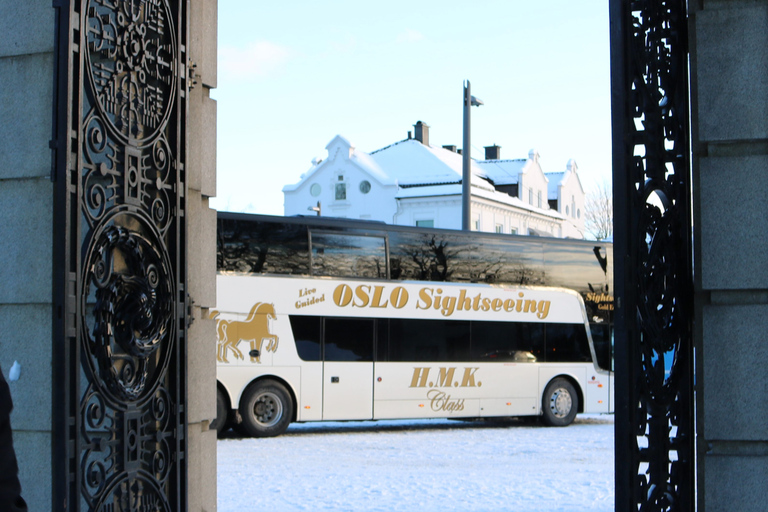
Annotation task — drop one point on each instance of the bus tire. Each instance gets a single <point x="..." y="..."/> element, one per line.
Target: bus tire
<point x="221" y="423"/>
<point x="560" y="403"/>
<point x="266" y="409"/>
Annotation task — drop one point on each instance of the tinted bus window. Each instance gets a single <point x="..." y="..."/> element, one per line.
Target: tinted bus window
<point x="262" y="247"/>
<point x="348" y="339"/>
<point x="306" y="332"/>
<point x="339" y="255"/>
<point x="504" y="341"/>
<point x="603" y="341"/>
<point x="567" y="343"/>
<point x="428" y="340"/>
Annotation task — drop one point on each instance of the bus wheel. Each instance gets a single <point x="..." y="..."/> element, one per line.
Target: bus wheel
<point x="221" y="423"/>
<point x="266" y="409"/>
<point x="560" y="403"/>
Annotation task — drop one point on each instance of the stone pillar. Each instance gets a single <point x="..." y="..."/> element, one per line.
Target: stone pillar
<point x="26" y="198"/>
<point x="201" y="253"/>
<point x="729" y="92"/>
<point x="26" y="255"/>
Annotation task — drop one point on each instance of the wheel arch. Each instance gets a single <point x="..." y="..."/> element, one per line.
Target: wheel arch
<point x="279" y="380"/>
<point x="575" y="383"/>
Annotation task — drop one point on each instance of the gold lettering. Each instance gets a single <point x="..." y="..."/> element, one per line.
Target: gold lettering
<point x="530" y="306"/>
<point x="440" y="401"/>
<point x="399" y="297"/>
<point x="445" y="378"/>
<point x="509" y="305"/>
<point x="437" y="299"/>
<point x="342" y="295"/>
<point x="420" y="376"/>
<point x="425" y="295"/>
<point x="469" y="377"/>
<point x="519" y="307"/>
<point x="464" y="303"/>
<point x="449" y="303"/>
<point x="543" y="309"/>
<point x="377" y="291"/>
<point x="362" y="293"/>
<point x="496" y="304"/>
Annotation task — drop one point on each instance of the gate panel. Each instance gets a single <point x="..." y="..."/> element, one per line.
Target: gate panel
<point x="655" y="461"/>
<point x="120" y="291"/>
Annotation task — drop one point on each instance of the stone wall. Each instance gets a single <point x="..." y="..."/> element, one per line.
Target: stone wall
<point x="729" y="59"/>
<point x="26" y="255"/>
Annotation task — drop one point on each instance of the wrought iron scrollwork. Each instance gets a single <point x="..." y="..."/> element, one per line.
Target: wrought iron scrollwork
<point x="133" y="310"/>
<point x="655" y="423"/>
<point x="121" y="202"/>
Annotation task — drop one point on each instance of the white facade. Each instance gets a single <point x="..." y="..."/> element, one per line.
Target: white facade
<point x="415" y="184"/>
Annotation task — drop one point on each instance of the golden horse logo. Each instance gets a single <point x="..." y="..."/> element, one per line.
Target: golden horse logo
<point x="254" y="329"/>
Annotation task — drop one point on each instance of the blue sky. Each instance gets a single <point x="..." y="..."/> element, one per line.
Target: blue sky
<point x="294" y="74"/>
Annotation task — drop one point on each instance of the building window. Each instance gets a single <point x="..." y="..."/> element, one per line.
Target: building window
<point x="341" y="191"/>
<point x="427" y="223"/>
<point x="365" y="186"/>
<point x="477" y="225"/>
<point x="499" y="228"/>
<point x="315" y="189"/>
<point x="539" y="198"/>
<point x="530" y="196"/>
<point x="513" y="231"/>
<point x="567" y="210"/>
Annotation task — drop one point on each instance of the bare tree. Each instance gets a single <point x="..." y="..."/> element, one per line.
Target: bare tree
<point x="598" y="211"/>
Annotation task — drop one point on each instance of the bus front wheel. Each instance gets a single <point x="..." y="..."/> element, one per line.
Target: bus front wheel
<point x="560" y="403"/>
<point x="266" y="409"/>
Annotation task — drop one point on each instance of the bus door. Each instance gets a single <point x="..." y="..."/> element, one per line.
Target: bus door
<point x="348" y="369"/>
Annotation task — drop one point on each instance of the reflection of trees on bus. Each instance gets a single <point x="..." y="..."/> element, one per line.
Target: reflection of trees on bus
<point x="449" y="258"/>
<point x="349" y="248"/>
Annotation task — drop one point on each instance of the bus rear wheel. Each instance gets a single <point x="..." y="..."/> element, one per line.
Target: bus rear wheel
<point x="223" y="419"/>
<point x="560" y="403"/>
<point x="266" y="409"/>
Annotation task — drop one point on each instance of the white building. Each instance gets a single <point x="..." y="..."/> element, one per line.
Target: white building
<point x="414" y="183"/>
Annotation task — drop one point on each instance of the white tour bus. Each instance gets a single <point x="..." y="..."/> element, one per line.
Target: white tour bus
<point x="314" y="349"/>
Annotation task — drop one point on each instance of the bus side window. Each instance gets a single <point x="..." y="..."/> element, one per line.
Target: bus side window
<point x="567" y="343"/>
<point x="382" y="340"/>
<point x="306" y="333"/>
<point x="412" y="340"/>
<point x="348" y="339"/>
<point x="500" y="341"/>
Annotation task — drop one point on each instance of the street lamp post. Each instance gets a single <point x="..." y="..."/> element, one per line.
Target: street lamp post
<point x="466" y="173"/>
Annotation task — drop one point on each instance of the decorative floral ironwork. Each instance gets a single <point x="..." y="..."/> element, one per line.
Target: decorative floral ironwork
<point x="655" y="213"/>
<point x="130" y="277"/>
<point x="123" y="214"/>
<point x="132" y="59"/>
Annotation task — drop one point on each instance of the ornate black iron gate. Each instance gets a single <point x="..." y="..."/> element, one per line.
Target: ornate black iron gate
<point x="119" y="249"/>
<point x="655" y="457"/>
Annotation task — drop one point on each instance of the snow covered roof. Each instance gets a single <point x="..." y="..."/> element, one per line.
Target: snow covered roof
<point x="503" y="172"/>
<point x="555" y="180"/>
<point x="411" y="163"/>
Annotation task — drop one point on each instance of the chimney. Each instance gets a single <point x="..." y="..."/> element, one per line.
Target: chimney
<point x="422" y="133"/>
<point x="450" y="148"/>
<point x="493" y="152"/>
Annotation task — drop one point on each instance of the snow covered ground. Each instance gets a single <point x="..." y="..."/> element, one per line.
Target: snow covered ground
<point x="423" y="466"/>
